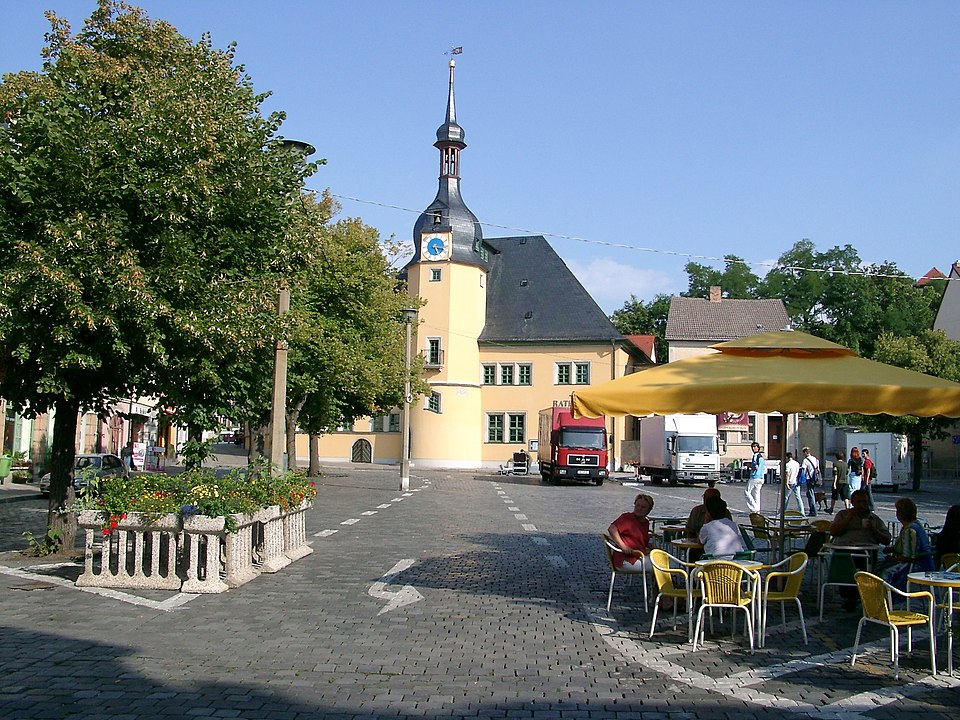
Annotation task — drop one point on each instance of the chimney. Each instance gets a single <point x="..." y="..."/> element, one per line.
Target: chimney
<point x="715" y="293"/>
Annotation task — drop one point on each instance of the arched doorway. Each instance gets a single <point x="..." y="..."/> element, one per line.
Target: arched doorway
<point x="362" y="451"/>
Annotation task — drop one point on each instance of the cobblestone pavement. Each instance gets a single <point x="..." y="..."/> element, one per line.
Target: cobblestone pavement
<point x="503" y="616"/>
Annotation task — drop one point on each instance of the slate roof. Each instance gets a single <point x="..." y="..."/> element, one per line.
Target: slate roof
<point x="699" y="319"/>
<point x="533" y="297"/>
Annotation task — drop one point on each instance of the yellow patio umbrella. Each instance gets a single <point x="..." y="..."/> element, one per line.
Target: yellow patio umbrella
<point x="783" y="371"/>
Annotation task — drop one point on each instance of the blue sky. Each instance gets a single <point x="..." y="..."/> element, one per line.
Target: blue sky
<point x="653" y="133"/>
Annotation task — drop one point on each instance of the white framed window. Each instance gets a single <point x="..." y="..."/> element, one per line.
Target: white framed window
<point x="490" y="374"/>
<point x="507" y="428"/>
<point x="524" y="374"/>
<point x="573" y="373"/>
<point x="506" y="374"/>
<point x="434" y="352"/>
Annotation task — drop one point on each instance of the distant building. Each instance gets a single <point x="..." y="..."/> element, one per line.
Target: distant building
<point x="506" y="330"/>
<point x="948" y="315"/>
<point x="694" y="324"/>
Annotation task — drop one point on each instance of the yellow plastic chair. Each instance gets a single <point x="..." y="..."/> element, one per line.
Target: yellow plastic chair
<point x="611" y="547"/>
<point x="666" y="568"/>
<point x="822" y="525"/>
<point x="790" y="572"/>
<point x="762" y="539"/>
<point x="722" y="586"/>
<point x="875" y="594"/>
<point x="949" y="560"/>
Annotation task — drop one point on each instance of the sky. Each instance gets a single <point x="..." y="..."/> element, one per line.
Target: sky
<point x="635" y="136"/>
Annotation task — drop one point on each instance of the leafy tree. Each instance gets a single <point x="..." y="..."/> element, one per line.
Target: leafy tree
<point x="347" y="350"/>
<point x="637" y="317"/>
<point x="143" y="207"/>
<point x="930" y="352"/>
<point x="736" y="279"/>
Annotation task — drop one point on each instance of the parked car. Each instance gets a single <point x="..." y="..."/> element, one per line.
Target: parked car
<point x="100" y="464"/>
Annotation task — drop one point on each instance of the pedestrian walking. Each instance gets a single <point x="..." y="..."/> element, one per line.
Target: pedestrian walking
<point x="813" y="479"/>
<point x="793" y="471"/>
<point x="755" y="482"/>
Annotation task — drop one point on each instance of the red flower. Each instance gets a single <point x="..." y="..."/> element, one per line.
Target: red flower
<point x="113" y="524"/>
<point x="106" y="531"/>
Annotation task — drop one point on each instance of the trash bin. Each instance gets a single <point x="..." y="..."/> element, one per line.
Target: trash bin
<point x="5" y="462"/>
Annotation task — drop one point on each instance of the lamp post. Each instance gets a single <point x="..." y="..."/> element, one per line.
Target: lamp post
<point x="409" y="315"/>
<point x="299" y="151"/>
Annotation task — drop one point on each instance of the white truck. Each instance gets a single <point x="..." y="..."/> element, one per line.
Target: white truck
<point x="890" y="455"/>
<point x="679" y="449"/>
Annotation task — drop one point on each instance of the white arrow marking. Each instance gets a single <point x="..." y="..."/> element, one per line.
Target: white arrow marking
<point x="398" y="598"/>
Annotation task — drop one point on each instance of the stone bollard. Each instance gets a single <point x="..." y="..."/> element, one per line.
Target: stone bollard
<point x="238" y="550"/>
<point x="272" y="551"/>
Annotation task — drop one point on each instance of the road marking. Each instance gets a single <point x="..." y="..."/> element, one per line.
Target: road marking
<point x="529" y="527"/>
<point x="397" y="500"/>
<point x="513" y="509"/>
<point x="369" y="512"/>
<point x="324" y="533"/>
<point x="351" y="521"/>
<point x="167" y="605"/>
<point x="521" y="516"/>
<point x="397" y="598"/>
<point x="383" y="506"/>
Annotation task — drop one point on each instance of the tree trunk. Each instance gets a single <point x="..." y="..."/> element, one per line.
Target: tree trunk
<point x="292" y="417"/>
<point x="63" y="452"/>
<point x="256" y="443"/>
<point x="314" y="469"/>
<point x="916" y="444"/>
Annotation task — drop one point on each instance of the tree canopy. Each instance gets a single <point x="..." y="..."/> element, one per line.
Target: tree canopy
<point x="144" y="207"/>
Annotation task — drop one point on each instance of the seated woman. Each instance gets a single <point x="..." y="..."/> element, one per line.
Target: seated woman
<point x="720" y="536"/>
<point x="911" y="552"/>
<point x="948" y="540"/>
<point x="631" y="532"/>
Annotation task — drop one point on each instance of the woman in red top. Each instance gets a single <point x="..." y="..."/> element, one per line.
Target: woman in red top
<point x="631" y="532"/>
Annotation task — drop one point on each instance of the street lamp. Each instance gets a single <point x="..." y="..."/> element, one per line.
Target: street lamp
<point x="409" y="315"/>
<point x="278" y="405"/>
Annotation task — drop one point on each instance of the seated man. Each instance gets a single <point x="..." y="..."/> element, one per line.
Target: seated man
<point x="858" y="526"/>
<point x="720" y="535"/>
<point x="697" y="519"/>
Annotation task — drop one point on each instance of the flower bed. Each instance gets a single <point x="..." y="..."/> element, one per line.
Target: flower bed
<point x="196" y="531"/>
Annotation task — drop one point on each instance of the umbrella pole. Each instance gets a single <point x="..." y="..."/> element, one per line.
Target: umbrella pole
<point x="781" y="543"/>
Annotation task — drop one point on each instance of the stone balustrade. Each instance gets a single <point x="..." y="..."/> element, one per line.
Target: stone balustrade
<point x="195" y="554"/>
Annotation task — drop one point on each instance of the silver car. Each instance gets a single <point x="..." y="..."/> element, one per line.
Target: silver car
<point x="98" y="464"/>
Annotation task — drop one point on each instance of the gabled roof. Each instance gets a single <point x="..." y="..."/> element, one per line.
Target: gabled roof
<point x="533" y="296"/>
<point x="931" y="274"/>
<point x="699" y="319"/>
<point x="646" y="344"/>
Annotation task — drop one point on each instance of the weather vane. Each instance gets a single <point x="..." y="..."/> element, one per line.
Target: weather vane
<point x="454" y="50"/>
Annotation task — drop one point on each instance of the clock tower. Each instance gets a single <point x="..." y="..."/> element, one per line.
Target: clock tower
<point x="448" y="272"/>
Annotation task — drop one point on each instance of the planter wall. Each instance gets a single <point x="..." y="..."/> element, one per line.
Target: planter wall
<point x="138" y="554"/>
<point x="193" y="555"/>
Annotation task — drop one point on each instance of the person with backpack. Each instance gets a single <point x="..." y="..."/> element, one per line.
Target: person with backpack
<point x="810" y="480"/>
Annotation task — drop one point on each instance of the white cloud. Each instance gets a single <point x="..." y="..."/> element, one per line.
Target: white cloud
<point x="611" y="283"/>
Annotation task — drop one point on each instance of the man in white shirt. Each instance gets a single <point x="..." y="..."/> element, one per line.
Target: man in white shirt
<point x="793" y="483"/>
<point x="811" y="468"/>
<point x="721" y="537"/>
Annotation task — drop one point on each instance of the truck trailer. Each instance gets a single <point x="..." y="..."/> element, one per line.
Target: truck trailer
<point x="890" y="455"/>
<point x="679" y="449"/>
<point x="569" y="448"/>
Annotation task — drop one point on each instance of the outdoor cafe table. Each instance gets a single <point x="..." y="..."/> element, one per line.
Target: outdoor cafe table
<point x="670" y="532"/>
<point x="951" y="581"/>
<point x="686" y="546"/>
